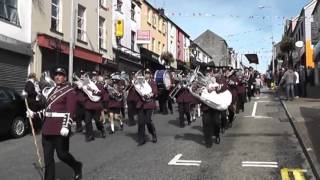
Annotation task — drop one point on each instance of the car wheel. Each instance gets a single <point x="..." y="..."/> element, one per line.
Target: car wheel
<point x="18" y="127"/>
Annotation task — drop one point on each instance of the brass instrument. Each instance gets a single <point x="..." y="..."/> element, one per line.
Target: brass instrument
<point x="87" y="86"/>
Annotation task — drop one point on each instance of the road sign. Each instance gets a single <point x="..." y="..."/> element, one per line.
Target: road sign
<point x="177" y="162"/>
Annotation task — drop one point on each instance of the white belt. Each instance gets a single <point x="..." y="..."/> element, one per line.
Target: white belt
<point x="55" y="114"/>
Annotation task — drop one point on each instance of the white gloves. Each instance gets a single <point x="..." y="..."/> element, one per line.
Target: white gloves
<point x="30" y="113"/>
<point x="64" y="131"/>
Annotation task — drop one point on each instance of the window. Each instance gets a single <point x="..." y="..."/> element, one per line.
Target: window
<point x="160" y="25"/>
<point x="149" y="16"/>
<point x="103" y="3"/>
<point x="102" y="33"/>
<point x="164" y="27"/>
<point x="133" y="39"/>
<point x="154" y="20"/>
<point x="153" y="44"/>
<point x="119" y="5"/>
<point x="163" y="48"/>
<point x="55" y="16"/>
<point x="133" y="12"/>
<point x="9" y="11"/>
<point x="159" y="47"/>
<point x="81" y="28"/>
<point x="302" y="30"/>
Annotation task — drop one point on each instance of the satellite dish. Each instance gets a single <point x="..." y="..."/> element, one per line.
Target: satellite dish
<point x="299" y="44"/>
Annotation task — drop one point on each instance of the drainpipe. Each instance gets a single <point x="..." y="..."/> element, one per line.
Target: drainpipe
<point x="71" y="43"/>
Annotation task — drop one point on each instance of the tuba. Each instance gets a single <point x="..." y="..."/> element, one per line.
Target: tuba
<point x="87" y="86"/>
<point x="113" y="88"/>
<point x="46" y="84"/>
<point x="142" y="87"/>
<point x="200" y="88"/>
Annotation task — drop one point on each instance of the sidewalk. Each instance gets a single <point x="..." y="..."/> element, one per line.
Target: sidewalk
<point x="305" y="115"/>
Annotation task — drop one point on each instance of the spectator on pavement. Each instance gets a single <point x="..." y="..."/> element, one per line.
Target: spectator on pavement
<point x="258" y="85"/>
<point x="303" y="81"/>
<point x="296" y="85"/>
<point x="289" y="79"/>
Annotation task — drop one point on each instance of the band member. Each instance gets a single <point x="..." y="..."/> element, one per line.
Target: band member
<point x="60" y="109"/>
<point x="36" y="102"/>
<point x="184" y="99"/>
<point x="131" y="102"/>
<point x="211" y="117"/>
<point x="93" y="111"/>
<point x="115" y="91"/>
<point x="80" y="107"/>
<point x="145" y="107"/>
<point x="241" y="89"/>
<point x="233" y="84"/>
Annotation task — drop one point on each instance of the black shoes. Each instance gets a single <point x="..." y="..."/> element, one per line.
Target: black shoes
<point x="154" y="138"/>
<point x="218" y="140"/>
<point x="189" y="122"/>
<point x="111" y="132"/>
<point x="78" y="172"/>
<point x="141" y="142"/>
<point x="89" y="138"/>
<point x="103" y="134"/>
<point x="121" y="127"/>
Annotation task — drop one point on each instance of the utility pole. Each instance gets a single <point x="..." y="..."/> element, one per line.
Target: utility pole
<point x="71" y="44"/>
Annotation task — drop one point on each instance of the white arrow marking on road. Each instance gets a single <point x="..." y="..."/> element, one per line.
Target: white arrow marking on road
<point x="259" y="164"/>
<point x="177" y="162"/>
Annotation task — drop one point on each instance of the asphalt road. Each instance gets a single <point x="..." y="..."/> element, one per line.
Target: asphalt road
<point x="262" y="133"/>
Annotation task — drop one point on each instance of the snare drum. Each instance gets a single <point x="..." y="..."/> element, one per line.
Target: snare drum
<point x="162" y="78"/>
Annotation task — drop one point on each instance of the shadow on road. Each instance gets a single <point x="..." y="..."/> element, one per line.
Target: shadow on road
<point x="5" y="137"/>
<point x="174" y="122"/>
<point x="133" y="136"/>
<point x="63" y="171"/>
<point x="190" y="137"/>
<point x="199" y="128"/>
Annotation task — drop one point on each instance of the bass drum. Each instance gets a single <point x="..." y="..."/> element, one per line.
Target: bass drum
<point x="163" y="79"/>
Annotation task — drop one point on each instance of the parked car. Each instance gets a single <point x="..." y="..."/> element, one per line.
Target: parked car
<point x="13" y="119"/>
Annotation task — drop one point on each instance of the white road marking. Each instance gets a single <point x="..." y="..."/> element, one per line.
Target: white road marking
<point x="254" y="110"/>
<point x="177" y="162"/>
<point x="260" y="164"/>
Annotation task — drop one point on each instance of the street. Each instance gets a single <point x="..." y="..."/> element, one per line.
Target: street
<point x="260" y="145"/>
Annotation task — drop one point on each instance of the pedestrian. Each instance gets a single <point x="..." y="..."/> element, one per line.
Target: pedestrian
<point x="289" y="79"/>
<point x="296" y="85"/>
<point x="302" y="81"/>
<point x="258" y="85"/>
<point x="60" y="110"/>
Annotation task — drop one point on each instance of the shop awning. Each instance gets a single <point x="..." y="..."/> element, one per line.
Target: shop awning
<point x="252" y="58"/>
<point x="62" y="46"/>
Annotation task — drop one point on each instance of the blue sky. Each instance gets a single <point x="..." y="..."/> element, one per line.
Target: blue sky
<point x="230" y="19"/>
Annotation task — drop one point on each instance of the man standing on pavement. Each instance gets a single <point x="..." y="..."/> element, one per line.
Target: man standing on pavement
<point x="302" y="81"/>
<point x="145" y="107"/>
<point x="60" y="110"/>
<point x="289" y="78"/>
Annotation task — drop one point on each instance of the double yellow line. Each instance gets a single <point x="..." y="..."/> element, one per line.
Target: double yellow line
<point x="298" y="174"/>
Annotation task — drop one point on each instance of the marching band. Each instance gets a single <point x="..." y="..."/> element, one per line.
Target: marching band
<point x="220" y="94"/>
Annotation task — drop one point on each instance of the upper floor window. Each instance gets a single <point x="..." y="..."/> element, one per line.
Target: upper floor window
<point x="150" y="15"/>
<point x="154" y="20"/>
<point x="133" y="11"/>
<point x="56" y="16"/>
<point x="102" y="33"/>
<point x="164" y="27"/>
<point x="133" y="40"/>
<point x="103" y="3"/>
<point x="119" y="5"/>
<point x="160" y="24"/>
<point x="81" y="28"/>
<point x="9" y="11"/>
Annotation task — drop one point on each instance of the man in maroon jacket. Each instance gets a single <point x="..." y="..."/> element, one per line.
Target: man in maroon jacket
<point x="184" y="99"/>
<point x="60" y="110"/>
<point x="233" y="83"/>
<point x="241" y="89"/>
<point x="145" y="110"/>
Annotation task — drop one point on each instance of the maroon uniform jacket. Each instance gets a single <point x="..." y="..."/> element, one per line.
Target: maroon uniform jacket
<point x="151" y="104"/>
<point x="61" y="100"/>
<point x="132" y="95"/>
<point x="113" y="103"/>
<point x="90" y="105"/>
<point x="241" y="88"/>
<point x="184" y="96"/>
<point x="233" y="83"/>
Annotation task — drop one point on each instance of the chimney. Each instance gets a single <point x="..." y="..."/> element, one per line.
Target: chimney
<point x="161" y="11"/>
